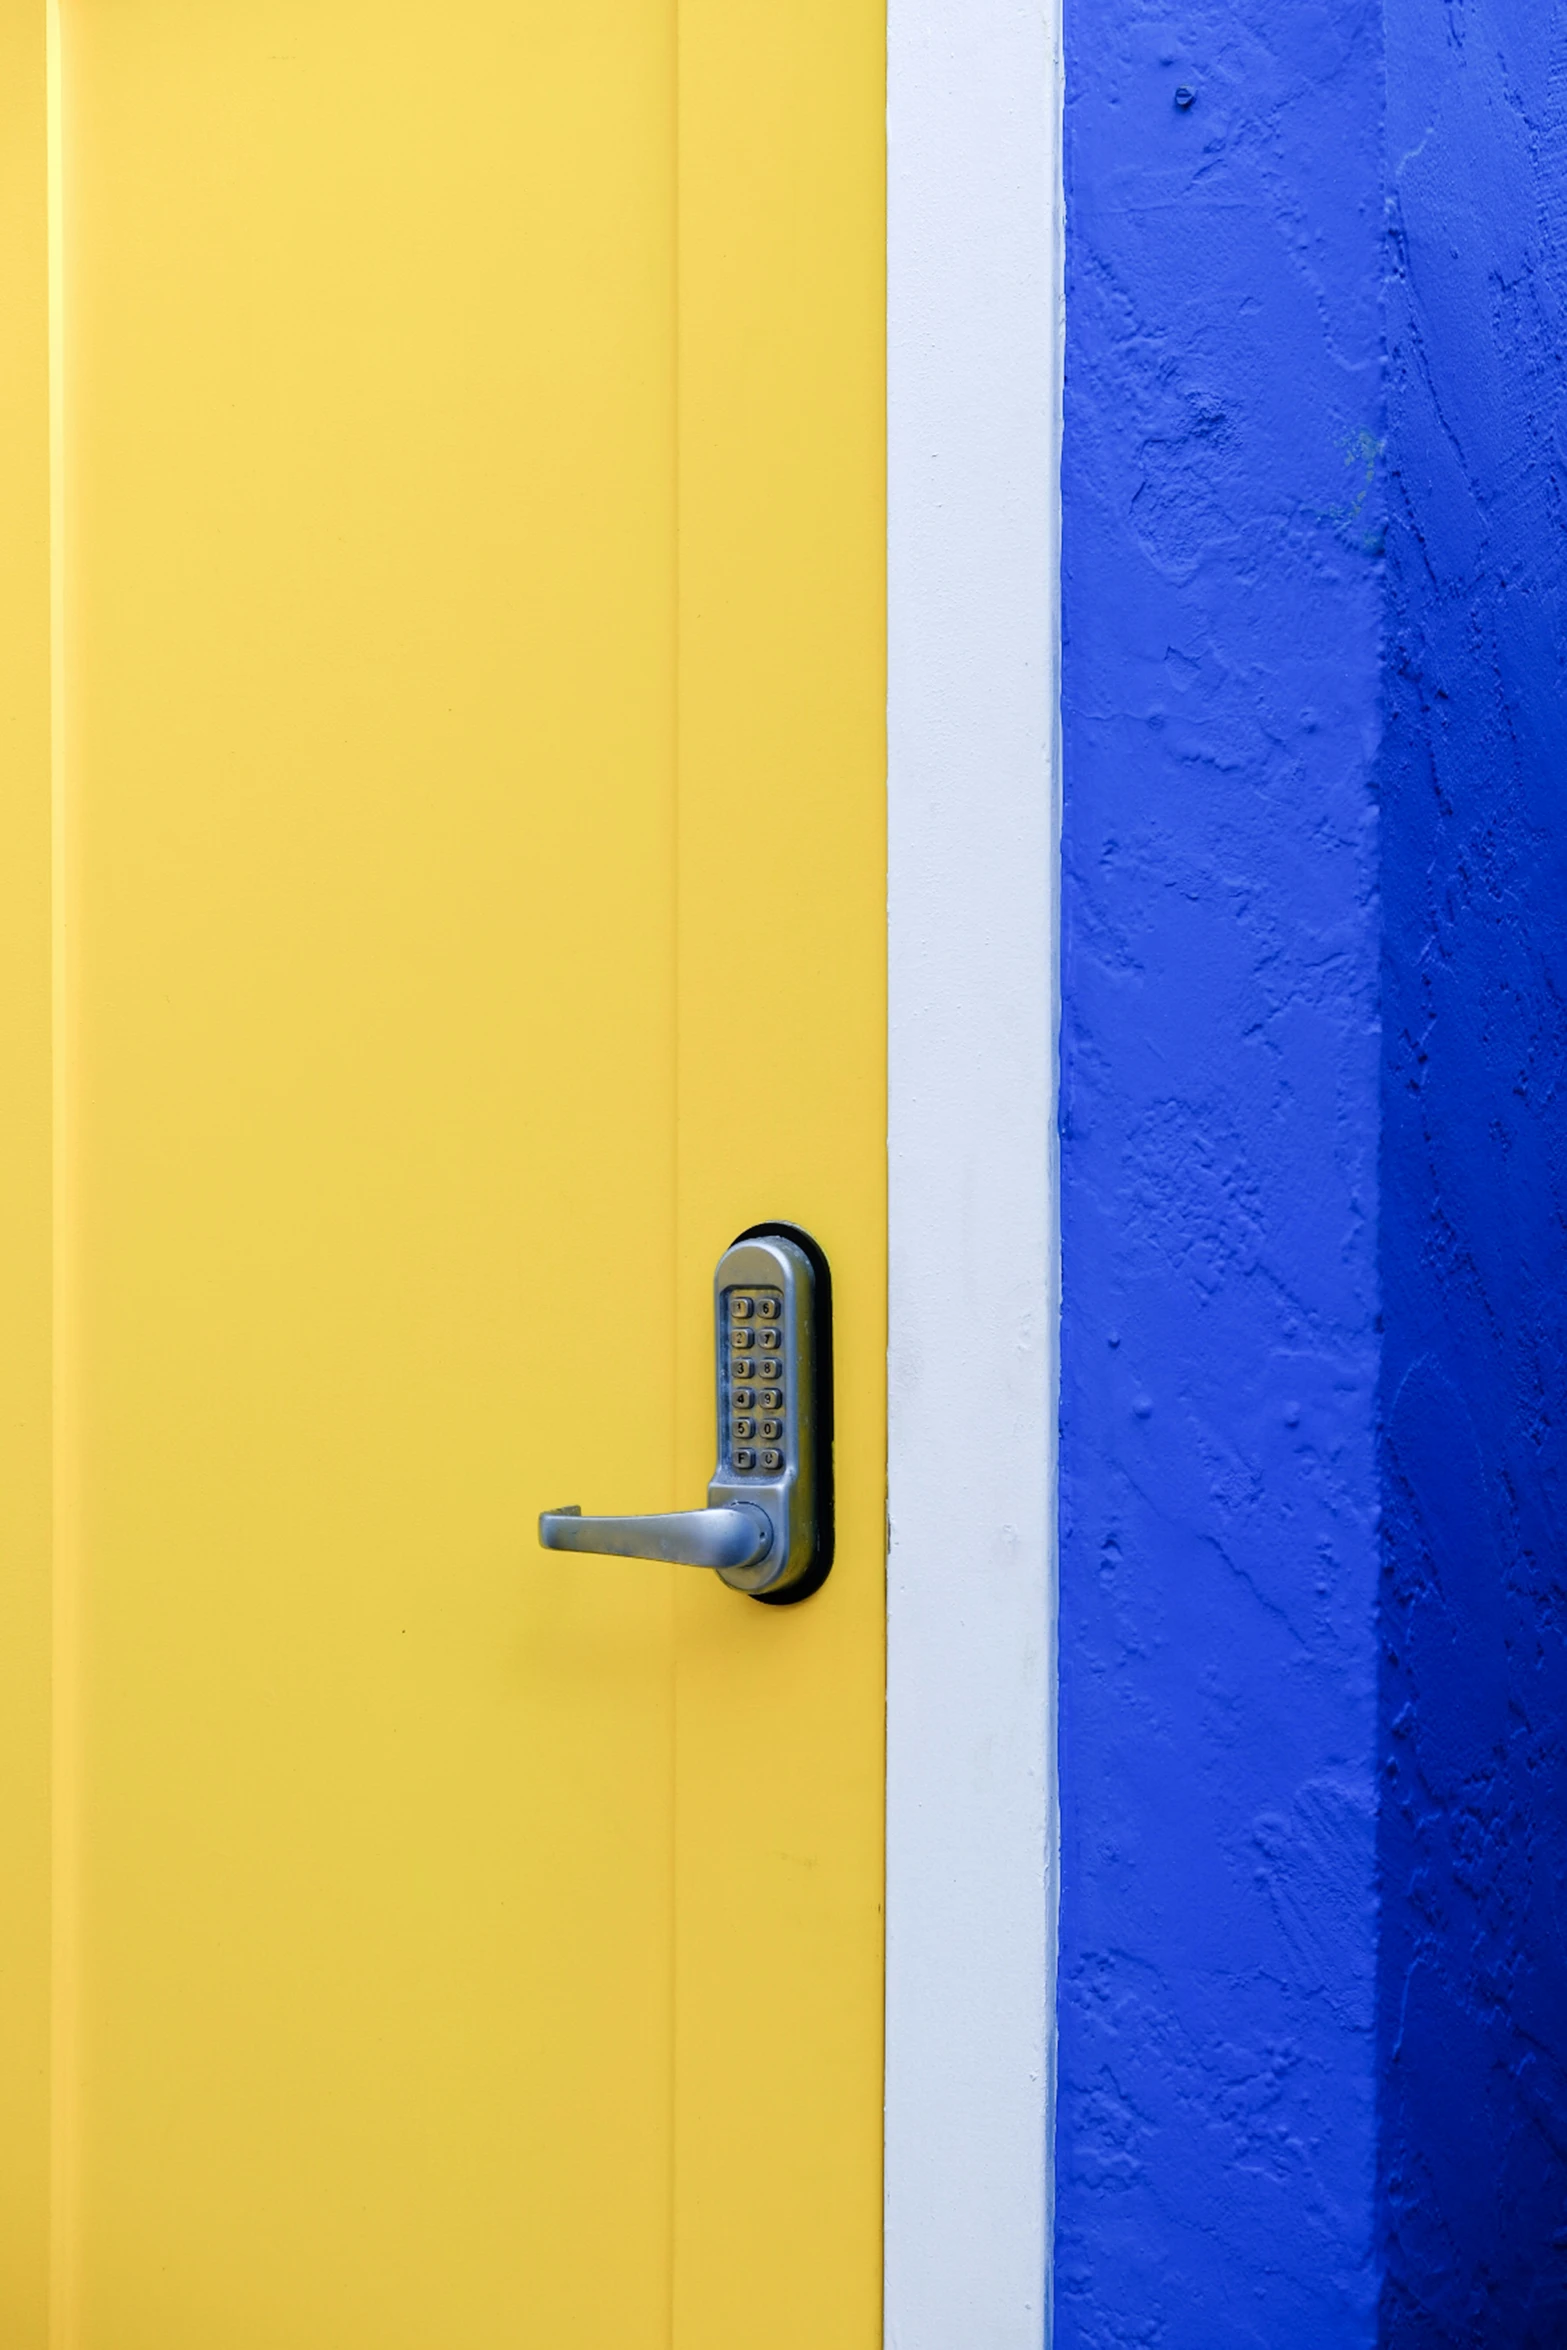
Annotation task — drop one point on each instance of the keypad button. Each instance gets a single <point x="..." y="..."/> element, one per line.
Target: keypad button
<point x="769" y="1431"/>
<point x="771" y="1399"/>
<point x="767" y="1309"/>
<point x="739" y="1309"/>
<point x="742" y="1367"/>
<point x="744" y="1427"/>
<point x="745" y="1458"/>
<point x="742" y="1398"/>
<point x="772" y="1460"/>
<point x="740" y="1339"/>
<point x="768" y="1340"/>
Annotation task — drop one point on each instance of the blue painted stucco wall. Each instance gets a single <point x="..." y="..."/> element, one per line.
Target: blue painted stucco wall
<point x="1221" y="585"/>
<point x="1472" y="2003"/>
<point x="1313" y="1599"/>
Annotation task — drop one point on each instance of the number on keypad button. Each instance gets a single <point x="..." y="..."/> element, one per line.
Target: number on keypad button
<point x="740" y="1308"/>
<point x="744" y="1427"/>
<point x="745" y="1458"/>
<point x="771" y="1399"/>
<point x="742" y="1367"/>
<point x="767" y="1309"/>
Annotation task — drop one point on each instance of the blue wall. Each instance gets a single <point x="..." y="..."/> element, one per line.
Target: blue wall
<point x="1221" y="586"/>
<point x="1313" y="2003"/>
<point x="1472" y="2008"/>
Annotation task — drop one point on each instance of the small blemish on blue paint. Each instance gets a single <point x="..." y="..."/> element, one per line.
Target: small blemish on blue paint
<point x="1142" y="1405"/>
<point x="1292" y="1415"/>
<point x="1184" y="96"/>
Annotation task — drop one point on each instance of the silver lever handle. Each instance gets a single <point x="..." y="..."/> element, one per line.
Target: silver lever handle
<point x="735" y="1535"/>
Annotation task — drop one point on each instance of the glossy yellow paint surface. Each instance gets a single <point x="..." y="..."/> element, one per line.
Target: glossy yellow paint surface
<point x="25" y="1156"/>
<point x="467" y="915"/>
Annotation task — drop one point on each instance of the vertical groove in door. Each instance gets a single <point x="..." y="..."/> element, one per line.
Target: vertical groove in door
<point x="676" y="1256"/>
<point x="65" y="1919"/>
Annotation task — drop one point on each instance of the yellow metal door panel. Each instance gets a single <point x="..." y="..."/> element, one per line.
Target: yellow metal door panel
<point x="25" y="1162"/>
<point x="778" y="1944"/>
<point x="467" y="916"/>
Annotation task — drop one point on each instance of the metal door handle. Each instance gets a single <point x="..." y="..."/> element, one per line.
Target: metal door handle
<point x="767" y="1527"/>
<point x="682" y="1538"/>
<point x="735" y="1535"/>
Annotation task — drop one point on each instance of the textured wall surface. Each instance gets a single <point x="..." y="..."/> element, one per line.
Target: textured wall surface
<point x="1313" y="2023"/>
<point x="1221" y="648"/>
<point x="1473" y="1990"/>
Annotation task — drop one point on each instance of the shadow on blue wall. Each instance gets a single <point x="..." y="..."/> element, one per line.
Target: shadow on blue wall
<point x="1472" y="1996"/>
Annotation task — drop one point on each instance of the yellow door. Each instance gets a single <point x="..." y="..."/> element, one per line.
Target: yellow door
<point x="441" y="905"/>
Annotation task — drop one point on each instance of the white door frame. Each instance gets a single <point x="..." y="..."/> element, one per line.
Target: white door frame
<point x="974" y="330"/>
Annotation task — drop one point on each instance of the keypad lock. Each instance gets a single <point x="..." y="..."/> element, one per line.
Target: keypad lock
<point x="767" y="1527"/>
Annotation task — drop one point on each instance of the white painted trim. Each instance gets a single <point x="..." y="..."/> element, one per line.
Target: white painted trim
<point x="974" y="373"/>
